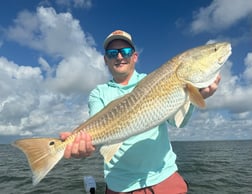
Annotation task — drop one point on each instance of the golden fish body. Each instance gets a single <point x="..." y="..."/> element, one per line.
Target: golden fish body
<point x="165" y="93"/>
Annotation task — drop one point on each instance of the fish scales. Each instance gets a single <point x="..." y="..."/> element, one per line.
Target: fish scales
<point x="148" y="105"/>
<point x="166" y="93"/>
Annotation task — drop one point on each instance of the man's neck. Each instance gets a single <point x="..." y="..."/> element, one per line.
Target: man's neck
<point x="123" y="80"/>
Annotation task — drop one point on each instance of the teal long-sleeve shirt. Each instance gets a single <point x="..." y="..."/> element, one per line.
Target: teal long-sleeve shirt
<point x="143" y="160"/>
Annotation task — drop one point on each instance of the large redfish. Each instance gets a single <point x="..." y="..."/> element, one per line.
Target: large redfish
<point x="165" y="93"/>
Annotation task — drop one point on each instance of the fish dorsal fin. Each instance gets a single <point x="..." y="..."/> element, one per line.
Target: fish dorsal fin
<point x="195" y="96"/>
<point x="108" y="151"/>
<point x="180" y="115"/>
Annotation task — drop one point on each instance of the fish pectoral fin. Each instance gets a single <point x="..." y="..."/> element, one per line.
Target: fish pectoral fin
<point x="108" y="151"/>
<point x="41" y="154"/>
<point x="180" y="115"/>
<point x="195" y="96"/>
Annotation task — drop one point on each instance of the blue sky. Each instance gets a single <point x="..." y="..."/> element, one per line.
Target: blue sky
<point x="51" y="56"/>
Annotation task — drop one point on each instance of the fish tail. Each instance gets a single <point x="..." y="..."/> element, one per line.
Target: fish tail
<point x="42" y="154"/>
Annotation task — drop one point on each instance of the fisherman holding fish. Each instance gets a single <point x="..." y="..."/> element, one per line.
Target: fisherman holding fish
<point x="144" y="163"/>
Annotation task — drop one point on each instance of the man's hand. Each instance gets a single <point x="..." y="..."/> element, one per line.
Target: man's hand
<point x="209" y="91"/>
<point x="81" y="146"/>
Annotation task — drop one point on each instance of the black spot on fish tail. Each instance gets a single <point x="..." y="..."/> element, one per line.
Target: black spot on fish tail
<point x="51" y="143"/>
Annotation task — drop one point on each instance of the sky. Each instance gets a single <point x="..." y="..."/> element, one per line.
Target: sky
<point x="51" y="56"/>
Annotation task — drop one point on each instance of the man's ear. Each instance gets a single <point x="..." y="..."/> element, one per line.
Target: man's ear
<point x="135" y="57"/>
<point x="105" y="59"/>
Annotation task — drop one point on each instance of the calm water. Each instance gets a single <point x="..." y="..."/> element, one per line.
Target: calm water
<point x="209" y="167"/>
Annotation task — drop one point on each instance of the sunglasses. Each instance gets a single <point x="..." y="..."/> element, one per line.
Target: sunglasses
<point x="125" y="52"/>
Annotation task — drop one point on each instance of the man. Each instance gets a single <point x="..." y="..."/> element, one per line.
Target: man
<point x="145" y="163"/>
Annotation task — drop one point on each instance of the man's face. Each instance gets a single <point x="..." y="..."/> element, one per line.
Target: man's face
<point x="120" y="66"/>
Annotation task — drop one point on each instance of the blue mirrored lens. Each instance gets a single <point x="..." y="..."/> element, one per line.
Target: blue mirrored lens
<point x="112" y="53"/>
<point x="125" y="52"/>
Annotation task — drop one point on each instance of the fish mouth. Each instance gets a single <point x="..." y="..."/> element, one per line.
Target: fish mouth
<point x="223" y="59"/>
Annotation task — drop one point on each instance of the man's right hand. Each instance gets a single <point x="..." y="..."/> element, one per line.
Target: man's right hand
<point x="81" y="146"/>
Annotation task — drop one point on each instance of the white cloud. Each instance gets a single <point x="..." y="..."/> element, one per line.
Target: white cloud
<point x="81" y="66"/>
<point x="48" y="99"/>
<point x="248" y="72"/>
<point x="29" y="107"/>
<point x="234" y="91"/>
<point x="220" y="14"/>
<point x="45" y="30"/>
<point x="18" y="72"/>
<point x="79" y="73"/>
<point x="212" y="125"/>
<point x="17" y="93"/>
<point x="45" y="67"/>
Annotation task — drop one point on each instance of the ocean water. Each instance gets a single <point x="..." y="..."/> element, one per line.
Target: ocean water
<point x="214" y="167"/>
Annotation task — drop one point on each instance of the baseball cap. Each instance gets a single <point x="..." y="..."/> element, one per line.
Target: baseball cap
<point x="118" y="34"/>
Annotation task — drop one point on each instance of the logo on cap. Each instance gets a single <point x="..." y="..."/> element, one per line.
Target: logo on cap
<point x="118" y="32"/>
